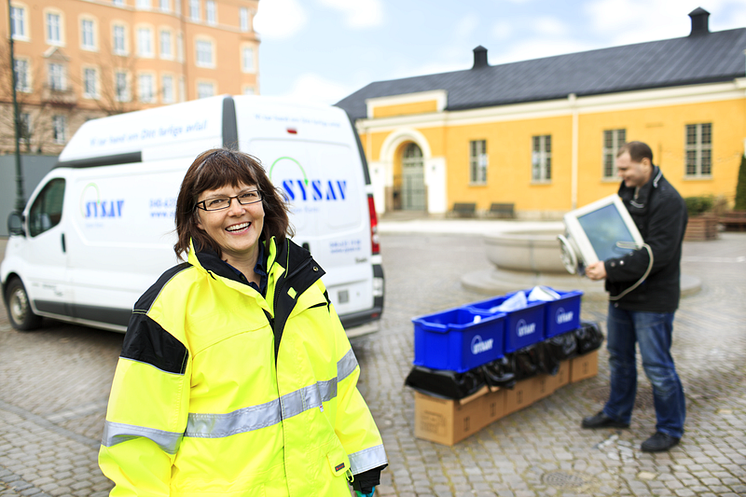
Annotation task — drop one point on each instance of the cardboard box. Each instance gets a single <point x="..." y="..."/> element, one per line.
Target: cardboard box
<point x="450" y="421"/>
<point x="520" y="396"/>
<point x="584" y="366"/>
<point x="562" y="377"/>
<point x="544" y="385"/>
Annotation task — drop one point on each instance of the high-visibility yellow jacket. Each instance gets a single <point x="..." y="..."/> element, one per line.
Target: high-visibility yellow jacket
<point x="204" y="404"/>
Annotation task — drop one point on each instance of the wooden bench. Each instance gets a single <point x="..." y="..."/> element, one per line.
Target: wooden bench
<point x="733" y="221"/>
<point x="464" y="209"/>
<point x="502" y="210"/>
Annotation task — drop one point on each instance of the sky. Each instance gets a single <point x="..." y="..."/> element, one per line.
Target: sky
<point x="324" y="50"/>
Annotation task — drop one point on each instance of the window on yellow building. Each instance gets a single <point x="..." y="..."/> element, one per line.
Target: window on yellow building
<point x="478" y="162"/>
<point x="613" y="139"/>
<point x="698" y="149"/>
<point x="541" y="158"/>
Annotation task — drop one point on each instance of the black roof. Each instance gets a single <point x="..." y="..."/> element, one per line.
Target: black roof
<point x="699" y="58"/>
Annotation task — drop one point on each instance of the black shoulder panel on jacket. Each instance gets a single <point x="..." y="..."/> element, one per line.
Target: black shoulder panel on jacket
<point x="146" y="341"/>
<point x="147" y="298"/>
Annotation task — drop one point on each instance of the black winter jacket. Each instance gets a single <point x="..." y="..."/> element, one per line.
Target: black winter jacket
<point x="660" y="214"/>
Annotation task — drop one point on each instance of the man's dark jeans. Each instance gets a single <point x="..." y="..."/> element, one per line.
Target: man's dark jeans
<point x="653" y="332"/>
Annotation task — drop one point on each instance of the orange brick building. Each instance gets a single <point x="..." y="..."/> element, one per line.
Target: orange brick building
<point x="80" y="59"/>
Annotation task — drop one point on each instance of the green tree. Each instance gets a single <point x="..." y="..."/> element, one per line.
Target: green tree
<point x="741" y="186"/>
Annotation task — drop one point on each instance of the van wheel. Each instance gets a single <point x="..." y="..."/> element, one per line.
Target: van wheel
<point x="21" y="316"/>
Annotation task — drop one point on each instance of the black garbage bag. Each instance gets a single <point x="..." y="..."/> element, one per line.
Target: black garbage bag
<point x="557" y="349"/>
<point x="445" y="384"/>
<point x="549" y="363"/>
<point x="499" y="373"/>
<point x="588" y="337"/>
<point x="526" y="362"/>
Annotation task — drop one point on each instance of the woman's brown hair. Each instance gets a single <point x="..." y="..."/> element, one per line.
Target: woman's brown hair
<point x="216" y="168"/>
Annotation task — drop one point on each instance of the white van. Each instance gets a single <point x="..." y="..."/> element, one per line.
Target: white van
<point x="99" y="229"/>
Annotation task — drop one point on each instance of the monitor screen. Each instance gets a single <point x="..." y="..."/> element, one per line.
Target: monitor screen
<point x="604" y="228"/>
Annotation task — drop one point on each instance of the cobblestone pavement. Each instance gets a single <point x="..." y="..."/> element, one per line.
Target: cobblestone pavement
<point x="54" y="384"/>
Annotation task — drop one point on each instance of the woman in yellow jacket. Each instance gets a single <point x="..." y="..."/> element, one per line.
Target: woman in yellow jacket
<point x="236" y="377"/>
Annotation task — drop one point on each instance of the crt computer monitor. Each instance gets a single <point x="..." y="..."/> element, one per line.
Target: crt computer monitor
<point x="601" y="230"/>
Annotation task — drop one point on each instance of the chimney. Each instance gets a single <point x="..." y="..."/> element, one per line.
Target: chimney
<point x="699" y="22"/>
<point x="480" y="57"/>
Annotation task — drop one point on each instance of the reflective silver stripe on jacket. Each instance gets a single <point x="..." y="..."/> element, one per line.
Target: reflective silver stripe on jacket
<point x="366" y="459"/>
<point x="115" y="433"/>
<point x="243" y="420"/>
<point x="207" y="425"/>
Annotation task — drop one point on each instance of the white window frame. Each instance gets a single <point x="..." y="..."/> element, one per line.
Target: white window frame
<point x="27" y="127"/>
<point x="51" y="29"/>
<point x="122" y="92"/>
<point x="118" y="3"/>
<point x="698" y="150"/>
<point x="211" y="12"/>
<point x="478" y="162"/>
<point x="143" y="5"/>
<point x="612" y="140"/>
<point x="117" y="50"/>
<point x="168" y="95"/>
<point x="194" y="10"/>
<point x="59" y="128"/>
<point x="19" y="22"/>
<point x="541" y="158"/>
<point x="248" y="90"/>
<point x="204" y="52"/>
<point x="248" y="64"/>
<point x="57" y="80"/>
<point x="88" y="34"/>
<point x="177" y="7"/>
<point x="145" y="42"/>
<point x="166" y="50"/>
<point x="21" y="68"/>
<point x="164" y="5"/>
<point x="203" y="87"/>
<point x="146" y="87"/>
<point x="90" y="83"/>
<point x="243" y="19"/>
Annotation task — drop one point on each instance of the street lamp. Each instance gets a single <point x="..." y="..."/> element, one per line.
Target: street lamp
<point x="20" y="201"/>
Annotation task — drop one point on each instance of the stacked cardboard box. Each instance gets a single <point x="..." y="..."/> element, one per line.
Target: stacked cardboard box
<point x="450" y="421"/>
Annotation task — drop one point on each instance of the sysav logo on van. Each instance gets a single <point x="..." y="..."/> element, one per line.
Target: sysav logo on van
<point x="478" y="345"/>
<point x="524" y="328"/>
<point x="564" y="317"/>
<point x="298" y="187"/>
<point x="93" y="207"/>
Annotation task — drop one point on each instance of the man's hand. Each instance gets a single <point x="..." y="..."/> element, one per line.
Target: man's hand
<point x="596" y="271"/>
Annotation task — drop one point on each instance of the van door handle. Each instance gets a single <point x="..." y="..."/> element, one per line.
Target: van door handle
<point x="64" y="249"/>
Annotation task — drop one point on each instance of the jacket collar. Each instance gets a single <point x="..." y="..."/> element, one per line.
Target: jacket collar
<point x="638" y="199"/>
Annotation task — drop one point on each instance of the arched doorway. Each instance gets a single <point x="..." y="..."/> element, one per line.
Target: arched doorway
<point x="413" y="196"/>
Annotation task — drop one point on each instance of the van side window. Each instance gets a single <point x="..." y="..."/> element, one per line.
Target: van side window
<point x="46" y="212"/>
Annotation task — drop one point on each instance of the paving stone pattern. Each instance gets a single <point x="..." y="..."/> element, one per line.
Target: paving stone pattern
<point x="54" y="385"/>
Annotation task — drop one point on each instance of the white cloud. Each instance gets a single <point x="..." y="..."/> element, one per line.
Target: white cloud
<point x="358" y="13"/>
<point x="279" y="19"/>
<point x="466" y="26"/>
<point x="550" y="26"/>
<point x="635" y="21"/>
<point x="502" y="30"/>
<point x="310" y="87"/>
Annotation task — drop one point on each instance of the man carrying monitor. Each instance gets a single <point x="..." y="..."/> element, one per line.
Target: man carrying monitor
<point x="644" y="288"/>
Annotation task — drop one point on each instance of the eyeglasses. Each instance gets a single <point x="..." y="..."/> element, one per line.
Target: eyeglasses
<point x="220" y="203"/>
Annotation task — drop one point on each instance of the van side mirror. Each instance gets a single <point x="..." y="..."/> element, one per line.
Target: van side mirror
<point x="15" y="224"/>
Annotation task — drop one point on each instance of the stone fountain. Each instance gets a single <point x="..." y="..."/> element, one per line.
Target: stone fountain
<point x="530" y="256"/>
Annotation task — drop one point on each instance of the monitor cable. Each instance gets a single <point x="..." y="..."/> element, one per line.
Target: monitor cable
<point x="633" y="246"/>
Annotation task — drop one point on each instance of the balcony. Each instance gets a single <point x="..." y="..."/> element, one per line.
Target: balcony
<point x="60" y="97"/>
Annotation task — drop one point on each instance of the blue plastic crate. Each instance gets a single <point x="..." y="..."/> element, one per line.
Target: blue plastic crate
<point x="563" y="315"/>
<point x="523" y="327"/>
<point x="453" y="341"/>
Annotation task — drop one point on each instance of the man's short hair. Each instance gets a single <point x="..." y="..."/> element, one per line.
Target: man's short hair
<point x="637" y="151"/>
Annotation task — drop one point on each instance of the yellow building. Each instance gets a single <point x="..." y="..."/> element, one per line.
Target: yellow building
<point x="542" y="134"/>
<point x="80" y="59"/>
